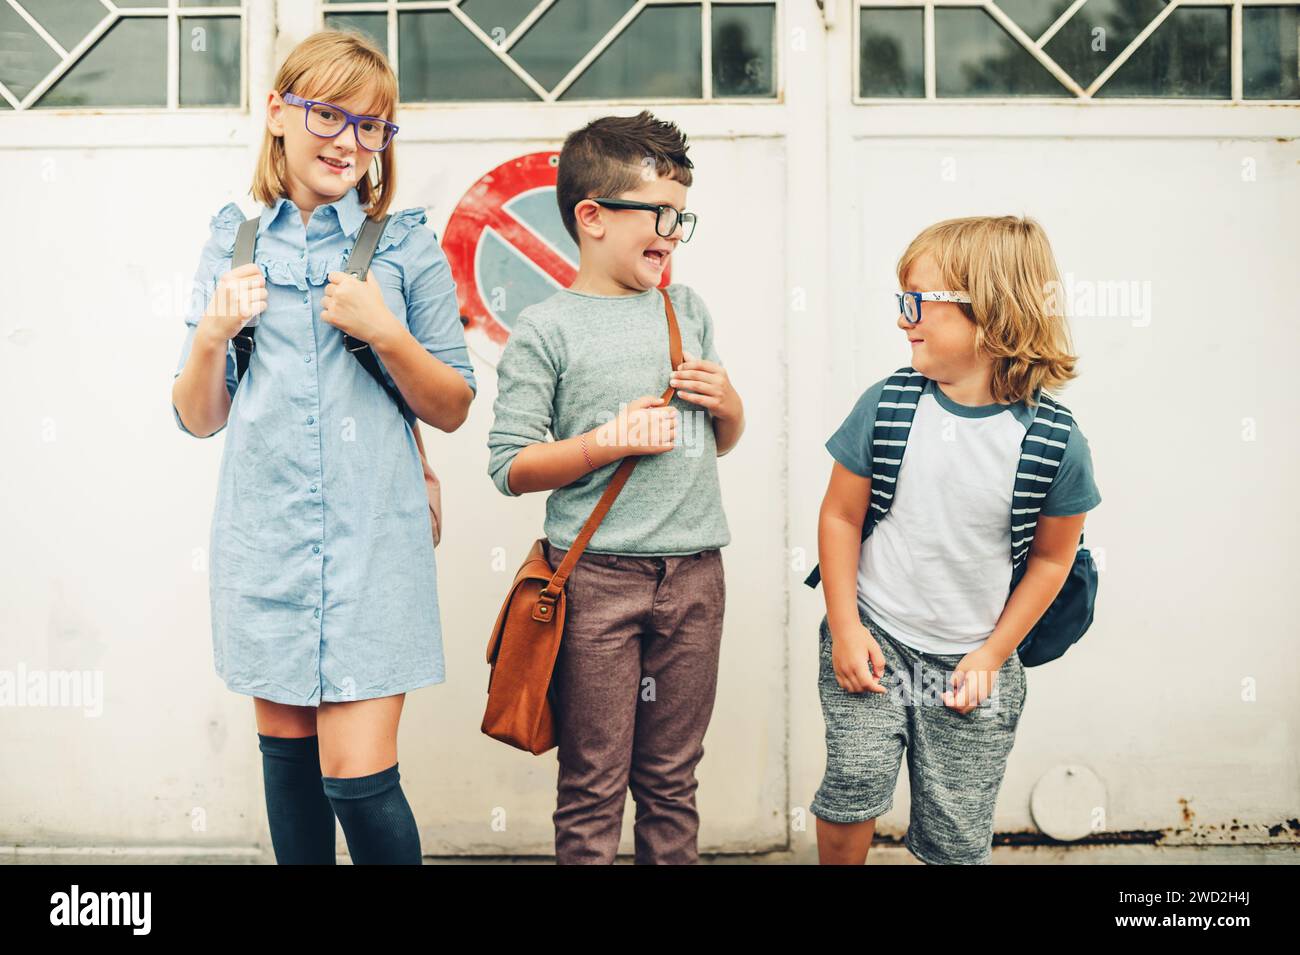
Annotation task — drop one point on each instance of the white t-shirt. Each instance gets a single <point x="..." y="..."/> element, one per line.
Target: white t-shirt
<point x="936" y="571"/>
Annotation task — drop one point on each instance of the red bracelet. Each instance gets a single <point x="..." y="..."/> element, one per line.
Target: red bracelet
<point x="583" y="442"/>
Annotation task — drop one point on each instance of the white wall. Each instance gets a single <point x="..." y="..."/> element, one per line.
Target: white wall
<point x="805" y="206"/>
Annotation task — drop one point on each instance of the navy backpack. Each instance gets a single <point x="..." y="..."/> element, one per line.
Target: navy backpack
<point x="1070" y="615"/>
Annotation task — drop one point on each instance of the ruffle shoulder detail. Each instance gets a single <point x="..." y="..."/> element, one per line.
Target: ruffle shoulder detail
<point x="225" y="224"/>
<point x="400" y="226"/>
<point x="315" y="272"/>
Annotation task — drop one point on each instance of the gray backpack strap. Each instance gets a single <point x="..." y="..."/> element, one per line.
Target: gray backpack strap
<point x="358" y="263"/>
<point x="1041" y="453"/>
<point x="889" y="433"/>
<point x="245" y="239"/>
<point x="364" y="248"/>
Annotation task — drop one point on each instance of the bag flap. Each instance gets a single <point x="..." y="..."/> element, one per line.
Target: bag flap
<point x="534" y="567"/>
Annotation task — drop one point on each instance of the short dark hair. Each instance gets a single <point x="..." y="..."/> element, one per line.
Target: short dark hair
<point x="608" y="155"/>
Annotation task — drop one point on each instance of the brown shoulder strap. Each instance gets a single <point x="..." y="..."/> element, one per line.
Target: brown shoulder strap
<point x="552" y="590"/>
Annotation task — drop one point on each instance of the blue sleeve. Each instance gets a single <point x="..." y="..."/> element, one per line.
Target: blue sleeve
<point x="214" y="261"/>
<point x="432" y="311"/>
<point x="851" y="444"/>
<point x="1073" y="491"/>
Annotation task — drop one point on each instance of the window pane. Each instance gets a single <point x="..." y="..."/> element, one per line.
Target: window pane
<point x="1187" y="56"/>
<point x="126" y="67"/>
<point x="373" y="25"/>
<point x="1270" y="64"/>
<point x="742" y="50"/>
<point x="497" y="18"/>
<point x="1035" y="16"/>
<point x="658" y="55"/>
<point x="1098" y="33"/>
<point x="974" y="56"/>
<point x="25" y="59"/>
<point x="68" y="21"/>
<point x="564" y="35"/>
<point x="891" y="53"/>
<point x="209" y="64"/>
<point x="441" y="61"/>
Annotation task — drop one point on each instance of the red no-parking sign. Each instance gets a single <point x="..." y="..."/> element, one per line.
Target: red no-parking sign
<point x="508" y="248"/>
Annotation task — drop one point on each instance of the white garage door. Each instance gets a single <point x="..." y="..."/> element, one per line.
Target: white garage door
<point x="1155" y="141"/>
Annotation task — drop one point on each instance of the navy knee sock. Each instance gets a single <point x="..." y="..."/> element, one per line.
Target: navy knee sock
<point x="300" y="815"/>
<point x="376" y="818"/>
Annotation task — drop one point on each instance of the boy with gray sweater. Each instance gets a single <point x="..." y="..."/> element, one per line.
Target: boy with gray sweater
<point x="635" y="679"/>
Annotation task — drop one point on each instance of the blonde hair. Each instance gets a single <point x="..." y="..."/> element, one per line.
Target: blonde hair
<point x="1007" y="267"/>
<point x="332" y="65"/>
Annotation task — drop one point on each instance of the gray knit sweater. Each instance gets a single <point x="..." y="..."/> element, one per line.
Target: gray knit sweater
<point x="570" y="363"/>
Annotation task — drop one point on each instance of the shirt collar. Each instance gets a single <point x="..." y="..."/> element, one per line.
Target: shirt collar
<point x="347" y="208"/>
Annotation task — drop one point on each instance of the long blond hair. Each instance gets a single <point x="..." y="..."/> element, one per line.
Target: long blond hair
<point x="332" y="65"/>
<point x="1006" y="265"/>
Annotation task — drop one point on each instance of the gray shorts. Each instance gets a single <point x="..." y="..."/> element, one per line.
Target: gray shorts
<point x="955" y="762"/>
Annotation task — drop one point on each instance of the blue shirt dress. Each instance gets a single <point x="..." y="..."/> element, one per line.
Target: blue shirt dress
<point x="321" y="570"/>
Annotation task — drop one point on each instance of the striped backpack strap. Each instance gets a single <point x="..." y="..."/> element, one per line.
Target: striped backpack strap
<point x="889" y="433"/>
<point x="889" y="436"/>
<point x="1041" y="454"/>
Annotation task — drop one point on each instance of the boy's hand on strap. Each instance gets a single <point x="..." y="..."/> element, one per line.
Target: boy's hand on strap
<point x="643" y="426"/>
<point x="705" y="383"/>
<point x="708" y="385"/>
<point x="854" y="657"/>
<point x="973" y="680"/>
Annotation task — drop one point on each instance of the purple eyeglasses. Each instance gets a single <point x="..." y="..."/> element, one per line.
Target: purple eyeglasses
<point x="327" y="120"/>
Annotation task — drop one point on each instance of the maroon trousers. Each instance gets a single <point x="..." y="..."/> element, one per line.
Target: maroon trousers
<point x="634" y="686"/>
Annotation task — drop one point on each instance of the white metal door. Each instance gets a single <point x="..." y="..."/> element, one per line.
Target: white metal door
<point x="121" y="199"/>
<point x="475" y="795"/>
<point x="1173" y="224"/>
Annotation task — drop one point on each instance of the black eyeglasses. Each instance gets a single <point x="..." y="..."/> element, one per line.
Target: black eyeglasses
<point x="666" y="217"/>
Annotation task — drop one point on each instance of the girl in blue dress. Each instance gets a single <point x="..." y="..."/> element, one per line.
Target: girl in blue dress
<point x="322" y="578"/>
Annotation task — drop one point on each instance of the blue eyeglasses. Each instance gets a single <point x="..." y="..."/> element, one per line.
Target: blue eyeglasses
<point x="327" y="120"/>
<point x="909" y="303"/>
